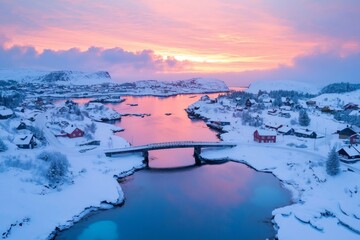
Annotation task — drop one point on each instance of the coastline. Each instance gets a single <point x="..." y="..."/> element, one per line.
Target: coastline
<point x="88" y="211"/>
<point x="281" y="217"/>
<point x="315" y="212"/>
<point x="61" y="96"/>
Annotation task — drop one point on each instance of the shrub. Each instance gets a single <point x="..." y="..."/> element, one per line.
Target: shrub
<point x="39" y="134"/>
<point x="58" y="167"/>
<point x="3" y="146"/>
<point x="304" y="119"/>
<point x="333" y="163"/>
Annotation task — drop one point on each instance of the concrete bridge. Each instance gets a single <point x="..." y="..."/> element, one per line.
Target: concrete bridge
<point x="144" y="149"/>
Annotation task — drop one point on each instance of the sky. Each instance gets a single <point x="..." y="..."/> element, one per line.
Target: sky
<point x="238" y="41"/>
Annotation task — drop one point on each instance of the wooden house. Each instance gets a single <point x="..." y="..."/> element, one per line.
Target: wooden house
<point x="354" y="139"/>
<point x="350" y="152"/>
<point x="286" y="130"/>
<point x="274" y="126"/>
<point x="250" y="102"/>
<point x="72" y="132"/>
<point x="305" y="133"/>
<point x="5" y="112"/>
<point x="263" y="136"/>
<point x="26" y="141"/>
<point x="346" y="133"/>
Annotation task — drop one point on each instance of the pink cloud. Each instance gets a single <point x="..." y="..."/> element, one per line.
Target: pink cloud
<point x="94" y="58"/>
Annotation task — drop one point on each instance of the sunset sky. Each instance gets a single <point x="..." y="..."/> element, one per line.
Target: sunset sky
<point x="235" y="40"/>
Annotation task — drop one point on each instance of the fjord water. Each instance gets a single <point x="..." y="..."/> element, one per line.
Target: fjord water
<point x="222" y="201"/>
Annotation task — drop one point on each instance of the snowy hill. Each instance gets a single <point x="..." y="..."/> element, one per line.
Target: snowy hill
<point x="194" y="85"/>
<point x="284" y="85"/>
<point x="336" y="100"/>
<point x="56" y="77"/>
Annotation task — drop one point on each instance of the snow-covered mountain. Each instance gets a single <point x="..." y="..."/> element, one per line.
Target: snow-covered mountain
<point x="56" y="77"/>
<point x="284" y="85"/>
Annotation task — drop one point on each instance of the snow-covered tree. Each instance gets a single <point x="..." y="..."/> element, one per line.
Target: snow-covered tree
<point x="58" y="167"/>
<point x="11" y="99"/>
<point x="3" y="146"/>
<point x="277" y="102"/>
<point x="340" y="88"/>
<point x="248" y="119"/>
<point x="304" y="119"/>
<point x="333" y="163"/>
<point x="38" y="133"/>
<point x="92" y="127"/>
<point x="90" y="130"/>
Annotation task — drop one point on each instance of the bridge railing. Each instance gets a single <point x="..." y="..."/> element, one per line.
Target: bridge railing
<point x="154" y="146"/>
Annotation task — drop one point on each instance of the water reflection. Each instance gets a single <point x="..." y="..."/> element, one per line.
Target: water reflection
<point x="159" y="127"/>
<point x="228" y="201"/>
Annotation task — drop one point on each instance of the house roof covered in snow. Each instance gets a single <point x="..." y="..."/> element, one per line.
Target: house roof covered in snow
<point x="23" y="139"/>
<point x="351" y="151"/>
<point x="273" y="125"/>
<point x="285" y="108"/>
<point x="70" y="129"/>
<point x="304" y="131"/>
<point x="263" y="132"/>
<point x="4" y="111"/>
<point x="252" y="101"/>
<point x="354" y="113"/>
<point x="284" y="129"/>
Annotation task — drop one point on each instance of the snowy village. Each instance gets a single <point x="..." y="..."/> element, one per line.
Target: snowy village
<point x="179" y="120"/>
<point x="51" y="146"/>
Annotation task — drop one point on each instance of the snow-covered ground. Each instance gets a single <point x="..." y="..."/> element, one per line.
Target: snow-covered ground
<point x="325" y="207"/>
<point x="32" y="208"/>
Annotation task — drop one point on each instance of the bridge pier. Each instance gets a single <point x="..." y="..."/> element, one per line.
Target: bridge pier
<point x="145" y="154"/>
<point x="197" y="157"/>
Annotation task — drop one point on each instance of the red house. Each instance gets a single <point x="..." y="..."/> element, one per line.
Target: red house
<point x="73" y="132"/>
<point x="264" y="136"/>
<point x="355" y="139"/>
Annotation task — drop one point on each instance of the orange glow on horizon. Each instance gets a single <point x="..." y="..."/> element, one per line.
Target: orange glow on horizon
<point x="227" y="37"/>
